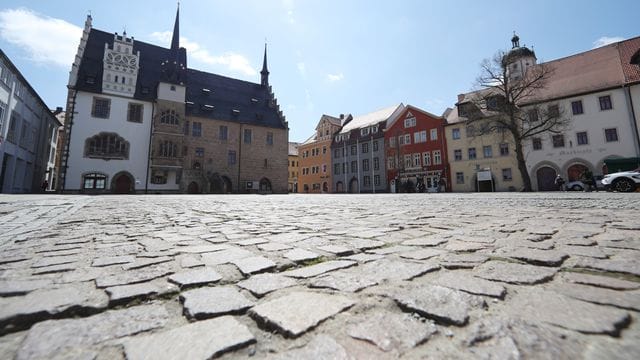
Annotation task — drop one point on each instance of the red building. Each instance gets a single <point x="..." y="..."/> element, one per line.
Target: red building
<point x="416" y="152"/>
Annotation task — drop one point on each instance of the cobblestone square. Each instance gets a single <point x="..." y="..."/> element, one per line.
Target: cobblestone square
<point x="482" y="275"/>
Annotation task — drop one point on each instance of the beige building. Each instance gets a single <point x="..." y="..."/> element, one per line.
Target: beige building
<point x="293" y="167"/>
<point x="480" y="162"/>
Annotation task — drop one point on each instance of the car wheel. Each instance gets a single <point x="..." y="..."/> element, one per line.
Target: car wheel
<point x="576" y="188"/>
<point x="624" y="185"/>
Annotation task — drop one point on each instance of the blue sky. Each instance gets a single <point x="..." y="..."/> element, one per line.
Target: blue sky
<point x="325" y="57"/>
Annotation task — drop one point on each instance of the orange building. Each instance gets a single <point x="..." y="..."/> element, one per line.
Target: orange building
<point x="315" y="157"/>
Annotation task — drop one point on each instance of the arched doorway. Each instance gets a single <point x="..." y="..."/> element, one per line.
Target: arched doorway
<point x="265" y="185"/>
<point x="219" y="184"/>
<point x="122" y="183"/>
<point x="193" y="188"/>
<point x="339" y="187"/>
<point x="546" y="177"/>
<point x="226" y="185"/>
<point x="353" y="186"/>
<point x="575" y="171"/>
<point x="325" y="187"/>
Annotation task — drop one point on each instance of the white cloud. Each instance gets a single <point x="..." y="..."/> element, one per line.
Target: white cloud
<point x="335" y="77"/>
<point x="232" y="61"/>
<point x="606" y="40"/>
<point x="46" y="40"/>
<point x="302" y="69"/>
<point x="288" y="7"/>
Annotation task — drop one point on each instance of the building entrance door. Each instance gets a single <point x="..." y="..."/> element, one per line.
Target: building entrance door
<point x="122" y="184"/>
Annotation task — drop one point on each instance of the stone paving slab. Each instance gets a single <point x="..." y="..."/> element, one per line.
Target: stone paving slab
<point x="503" y="275"/>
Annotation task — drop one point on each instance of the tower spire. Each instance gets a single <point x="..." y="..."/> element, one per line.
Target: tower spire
<point x="264" y="72"/>
<point x="175" y="40"/>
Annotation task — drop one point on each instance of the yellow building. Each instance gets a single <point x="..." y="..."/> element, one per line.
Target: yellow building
<point x="480" y="162"/>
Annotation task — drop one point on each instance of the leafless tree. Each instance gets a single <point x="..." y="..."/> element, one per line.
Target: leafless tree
<point x="513" y="105"/>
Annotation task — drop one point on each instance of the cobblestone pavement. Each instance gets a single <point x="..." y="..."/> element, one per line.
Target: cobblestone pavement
<point x="502" y="276"/>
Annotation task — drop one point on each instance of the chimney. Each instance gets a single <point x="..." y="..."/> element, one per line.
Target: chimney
<point x="341" y="116"/>
<point x="460" y="97"/>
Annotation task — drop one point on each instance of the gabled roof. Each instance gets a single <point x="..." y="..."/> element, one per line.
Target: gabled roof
<point x="333" y="120"/>
<point x="372" y="118"/>
<point x="229" y="99"/>
<point x="413" y="109"/>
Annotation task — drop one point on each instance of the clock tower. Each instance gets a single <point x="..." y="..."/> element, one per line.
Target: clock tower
<point x="120" y="67"/>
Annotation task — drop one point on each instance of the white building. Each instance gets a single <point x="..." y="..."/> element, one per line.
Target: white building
<point x="28" y="134"/>
<point x="598" y="91"/>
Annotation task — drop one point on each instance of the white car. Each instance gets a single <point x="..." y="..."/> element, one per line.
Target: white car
<point x="625" y="181"/>
<point x="578" y="185"/>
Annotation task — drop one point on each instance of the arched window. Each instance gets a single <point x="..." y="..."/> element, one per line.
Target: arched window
<point x="106" y="146"/>
<point x="170" y="117"/>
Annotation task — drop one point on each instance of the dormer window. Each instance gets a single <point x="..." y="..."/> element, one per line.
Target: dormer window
<point x="235" y="112"/>
<point x="207" y="107"/>
<point x="206" y="91"/>
<point x="463" y="109"/>
<point x="254" y="100"/>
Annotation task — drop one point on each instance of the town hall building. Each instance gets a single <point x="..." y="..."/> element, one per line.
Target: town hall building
<point x="140" y="121"/>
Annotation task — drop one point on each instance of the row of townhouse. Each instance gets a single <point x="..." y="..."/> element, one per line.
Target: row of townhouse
<point x="140" y="121"/>
<point x="406" y="149"/>
<point x="28" y="134"/>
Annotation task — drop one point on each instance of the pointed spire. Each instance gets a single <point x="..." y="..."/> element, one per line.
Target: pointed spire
<point x="175" y="41"/>
<point x="264" y="72"/>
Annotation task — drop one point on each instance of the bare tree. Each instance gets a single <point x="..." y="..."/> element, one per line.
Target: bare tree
<point x="513" y="105"/>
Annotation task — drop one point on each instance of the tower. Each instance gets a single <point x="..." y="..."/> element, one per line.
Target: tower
<point x="264" y="73"/>
<point x="120" y="67"/>
<point x="518" y="59"/>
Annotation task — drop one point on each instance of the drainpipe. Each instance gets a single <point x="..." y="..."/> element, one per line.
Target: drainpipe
<point x="634" y="121"/>
<point x="239" y="155"/>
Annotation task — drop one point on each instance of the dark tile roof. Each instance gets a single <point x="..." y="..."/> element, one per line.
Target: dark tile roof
<point x="253" y="104"/>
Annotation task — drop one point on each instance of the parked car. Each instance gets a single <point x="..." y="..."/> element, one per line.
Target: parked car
<point x="625" y="181"/>
<point x="578" y="185"/>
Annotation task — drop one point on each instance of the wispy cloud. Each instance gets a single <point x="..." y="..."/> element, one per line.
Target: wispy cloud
<point x="232" y="61"/>
<point x="46" y="40"/>
<point x="289" y="8"/>
<point x="606" y="40"/>
<point x="302" y="69"/>
<point x="335" y="77"/>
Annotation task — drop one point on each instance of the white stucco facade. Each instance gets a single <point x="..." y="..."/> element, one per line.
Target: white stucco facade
<point x="85" y="126"/>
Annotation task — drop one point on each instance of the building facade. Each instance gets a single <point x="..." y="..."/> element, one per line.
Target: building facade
<point x="416" y="152"/>
<point x="358" y="153"/>
<point x="140" y="121"/>
<point x="292" y="186"/>
<point x="28" y="134"/>
<point x="315" y="157"/>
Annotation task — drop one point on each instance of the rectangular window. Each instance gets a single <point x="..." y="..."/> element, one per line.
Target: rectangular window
<point x="324" y="148"/>
<point x="504" y="149"/>
<point x="472" y="153"/>
<point x="426" y="158"/>
<point x="367" y="181"/>
<point x="247" y="136"/>
<point x="506" y="174"/>
<point x="324" y="168"/>
<point x="459" y="178"/>
<point x="365" y="148"/>
<point x="487" y="151"/>
<point x="354" y="150"/>
<point x="455" y="134"/>
<point x="270" y="138"/>
<point x="407" y="139"/>
<point x="185" y="129"/>
<point x="553" y="111"/>
<point x="336" y="153"/>
<point x="416" y="160"/>
<point x="558" y="141"/>
<point x="336" y="169"/>
<point x="434" y="134"/>
<point x="401" y="140"/>
<point x="199" y="152"/>
<point x="223" y="132"/>
<point x="533" y="115"/>
<point x="416" y="137"/>
<point x="576" y="107"/>
<point x="392" y="142"/>
<point x="582" y="138"/>
<point x="196" y="129"/>
<point x="437" y="158"/>
<point x="375" y="145"/>
<point x="611" y="135"/>
<point x="376" y="164"/>
<point x="354" y="166"/>
<point x="390" y="163"/>
<point x="365" y="164"/>
<point x="605" y="102"/>
<point x="135" y="113"/>
<point x="410" y="122"/>
<point x="101" y="108"/>
<point x="376" y="180"/>
<point x="537" y="143"/>
<point x="231" y="157"/>
<point x="457" y="155"/>
<point x="407" y="161"/>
